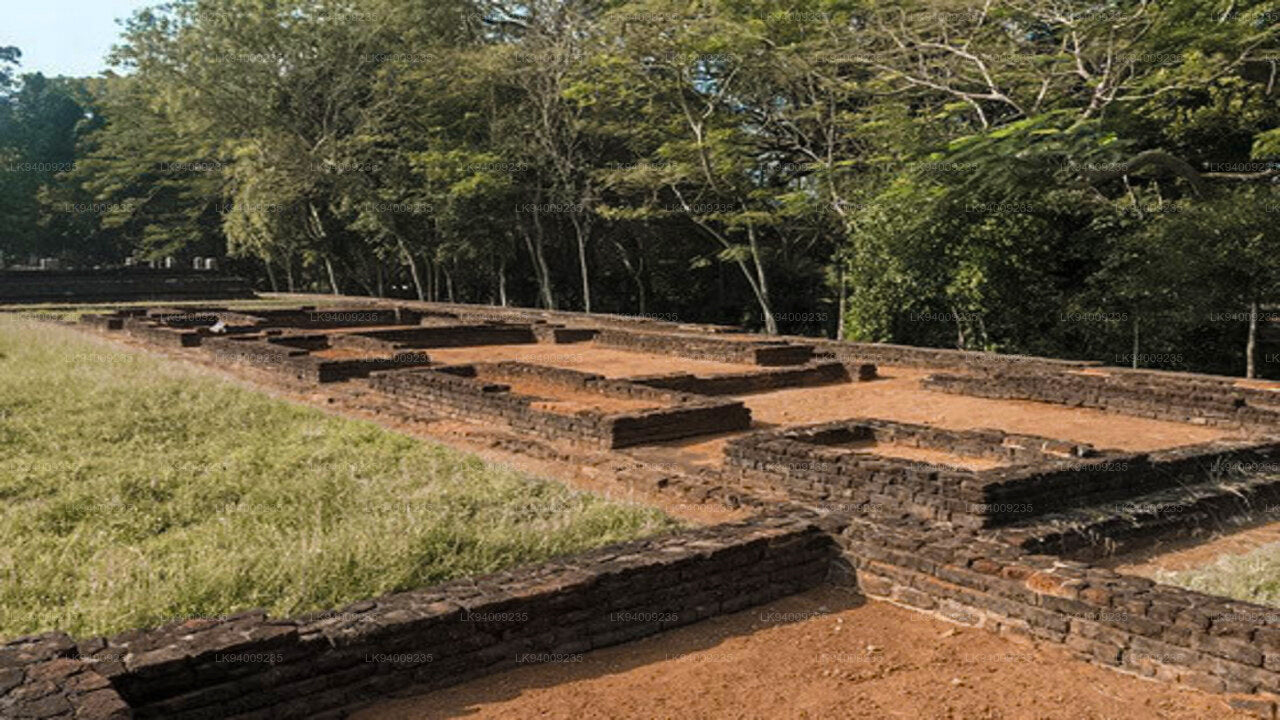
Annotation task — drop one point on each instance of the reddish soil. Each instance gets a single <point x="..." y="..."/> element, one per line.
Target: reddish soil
<point x="898" y="396"/>
<point x="925" y="455"/>
<point x="823" y="654"/>
<point x="569" y="401"/>
<point x="586" y="357"/>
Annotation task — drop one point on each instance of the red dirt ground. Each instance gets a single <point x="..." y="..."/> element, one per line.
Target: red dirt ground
<point x="898" y="396"/>
<point x="585" y="357"/>
<point x="823" y="654"/>
<point x="565" y="400"/>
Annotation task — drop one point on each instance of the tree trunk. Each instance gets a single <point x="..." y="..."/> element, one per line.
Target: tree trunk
<point x="1251" y="348"/>
<point x="840" y="310"/>
<point x="581" y="233"/>
<point x="333" y="279"/>
<point x="448" y="281"/>
<point x="502" y="281"/>
<point x="760" y="286"/>
<point x="1135" y="342"/>
<point x="540" y="268"/>
<point x="413" y="269"/>
<point x="271" y="275"/>
<point x="288" y="272"/>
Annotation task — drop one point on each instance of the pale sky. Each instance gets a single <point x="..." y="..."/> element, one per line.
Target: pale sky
<point x="64" y="37"/>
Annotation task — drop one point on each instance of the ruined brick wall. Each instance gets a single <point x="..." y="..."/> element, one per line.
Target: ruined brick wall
<point x="477" y="393"/>
<point x="941" y="358"/>
<point x="1123" y="622"/>
<point x="123" y="285"/>
<point x="1041" y="481"/>
<point x="1190" y="399"/>
<point x="249" y="666"/>
<point x="438" y="337"/>
<point x="744" y="383"/>
<point x="42" y="678"/>
<point x="702" y="347"/>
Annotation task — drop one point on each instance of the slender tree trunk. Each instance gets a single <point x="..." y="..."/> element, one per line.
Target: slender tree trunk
<point x="333" y="278"/>
<point x="288" y="272"/>
<point x="761" y="286"/>
<point x="1251" y="348"/>
<point x="413" y="269"/>
<point x="271" y="275"/>
<point x="502" y="281"/>
<point x="1135" y="342"/>
<point x="961" y="342"/>
<point x="840" y="310"/>
<point x="580" y="233"/>
<point x="540" y="269"/>
<point x="377" y="266"/>
<point x="448" y="281"/>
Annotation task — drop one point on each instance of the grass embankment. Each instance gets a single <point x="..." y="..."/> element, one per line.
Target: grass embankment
<point x="135" y="490"/>
<point x="1253" y="577"/>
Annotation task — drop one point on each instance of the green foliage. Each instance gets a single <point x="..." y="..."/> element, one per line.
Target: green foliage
<point x="1001" y="170"/>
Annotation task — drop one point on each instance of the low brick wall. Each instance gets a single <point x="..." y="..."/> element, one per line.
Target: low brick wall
<point x="941" y="358"/>
<point x="1122" y="622"/>
<point x="1174" y="398"/>
<point x="437" y="337"/>
<point x="160" y="334"/>
<point x="1046" y="476"/>
<point x="336" y="317"/>
<point x="477" y="393"/>
<point x="291" y="356"/>
<point x="756" y="381"/>
<point x="702" y="347"/>
<point x="250" y="666"/>
<point x="117" y="285"/>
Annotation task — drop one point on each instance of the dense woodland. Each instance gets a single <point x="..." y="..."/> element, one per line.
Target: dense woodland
<point x="1079" y="179"/>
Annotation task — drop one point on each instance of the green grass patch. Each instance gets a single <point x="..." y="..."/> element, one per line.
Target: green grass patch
<point x="1252" y="577"/>
<point x="135" y="490"/>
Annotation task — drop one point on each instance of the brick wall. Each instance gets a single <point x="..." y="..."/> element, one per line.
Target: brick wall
<point x="1122" y="622"/>
<point x="437" y="337"/>
<point x="755" y="381"/>
<point x="250" y="666"/>
<point x="477" y="393"/>
<point x="1189" y="399"/>
<point x="124" y="285"/>
<point x="702" y="347"/>
<point x="1045" y="476"/>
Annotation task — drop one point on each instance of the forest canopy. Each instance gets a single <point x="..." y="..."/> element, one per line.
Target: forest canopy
<point x="1078" y="179"/>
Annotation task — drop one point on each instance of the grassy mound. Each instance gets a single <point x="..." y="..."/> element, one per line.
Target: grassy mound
<point x="135" y="490"/>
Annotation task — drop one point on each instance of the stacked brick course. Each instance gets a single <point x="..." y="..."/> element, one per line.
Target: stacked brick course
<point x="249" y="666"/>
<point x="1217" y="402"/>
<point x="437" y="337"/>
<point x="476" y="393"/>
<point x="702" y="347"/>
<point x="1123" y="622"/>
<point x="744" y="383"/>
<point x="1045" y="476"/>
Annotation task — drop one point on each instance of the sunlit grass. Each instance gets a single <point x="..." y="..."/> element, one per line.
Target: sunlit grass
<point x="134" y="490"/>
<point x="1253" y="577"/>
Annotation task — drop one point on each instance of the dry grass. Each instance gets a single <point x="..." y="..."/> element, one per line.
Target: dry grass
<point x="134" y="490"/>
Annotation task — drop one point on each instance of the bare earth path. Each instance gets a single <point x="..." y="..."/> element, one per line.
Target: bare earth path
<point x="823" y="654"/>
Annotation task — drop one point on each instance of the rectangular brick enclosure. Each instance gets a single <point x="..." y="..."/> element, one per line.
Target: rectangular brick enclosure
<point x="972" y="478"/>
<point x="563" y="404"/>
